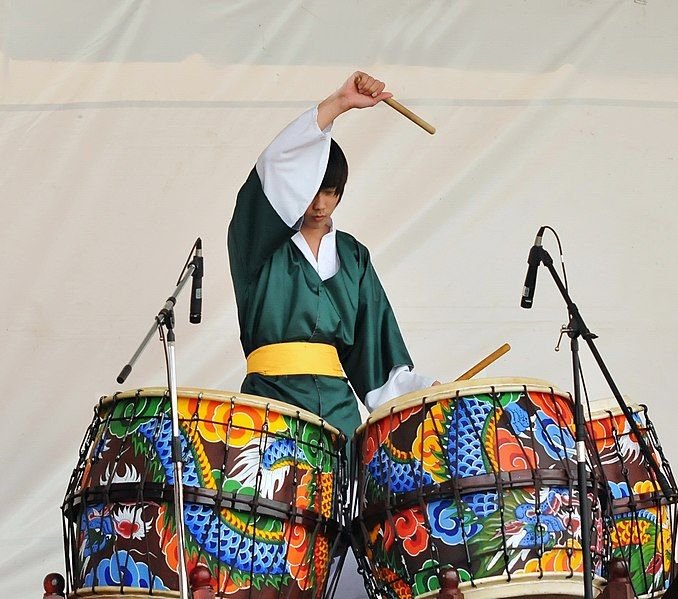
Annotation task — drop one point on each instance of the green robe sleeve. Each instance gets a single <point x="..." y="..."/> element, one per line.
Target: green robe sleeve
<point x="255" y="233"/>
<point x="378" y="344"/>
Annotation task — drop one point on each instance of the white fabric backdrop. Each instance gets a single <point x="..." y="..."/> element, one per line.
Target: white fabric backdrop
<point x="126" y="129"/>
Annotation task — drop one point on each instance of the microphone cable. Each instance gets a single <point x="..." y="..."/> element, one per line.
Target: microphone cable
<point x="560" y="252"/>
<point x="188" y="260"/>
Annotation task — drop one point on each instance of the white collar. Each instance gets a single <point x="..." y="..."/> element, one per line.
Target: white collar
<point x="327" y="265"/>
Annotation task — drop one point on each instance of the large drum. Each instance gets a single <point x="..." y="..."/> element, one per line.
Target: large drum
<point x="643" y="530"/>
<point x="263" y="496"/>
<point x="480" y="475"/>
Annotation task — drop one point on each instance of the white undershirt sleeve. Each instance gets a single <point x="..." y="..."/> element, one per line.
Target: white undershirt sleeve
<point x="292" y="167"/>
<point x="401" y="380"/>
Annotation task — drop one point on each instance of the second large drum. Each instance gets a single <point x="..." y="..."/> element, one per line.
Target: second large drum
<point x="643" y="531"/>
<point x="480" y="475"/>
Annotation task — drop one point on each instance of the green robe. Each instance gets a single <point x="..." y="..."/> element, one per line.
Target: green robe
<point x="281" y="297"/>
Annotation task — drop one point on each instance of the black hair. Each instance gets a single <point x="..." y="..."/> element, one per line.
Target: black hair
<point x="336" y="173"/>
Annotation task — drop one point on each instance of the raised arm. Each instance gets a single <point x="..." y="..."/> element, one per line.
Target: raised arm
<point x="287" y="177"/>
<point x="292" y="167"/>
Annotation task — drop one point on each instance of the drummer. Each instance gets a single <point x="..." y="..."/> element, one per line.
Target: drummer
<point x="310" y="305"/>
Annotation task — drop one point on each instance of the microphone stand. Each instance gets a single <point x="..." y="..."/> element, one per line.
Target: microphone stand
<point x="575" y="329"/>
<point x="165" y="318"/>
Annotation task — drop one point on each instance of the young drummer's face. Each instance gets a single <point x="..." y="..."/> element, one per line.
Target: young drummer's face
<point x="320" y="210"/>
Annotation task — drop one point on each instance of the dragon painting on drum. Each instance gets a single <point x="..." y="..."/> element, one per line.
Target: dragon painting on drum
<point x="484" y="481"/>
<point x="644" y="524"/>
<point x="261" y="496"/>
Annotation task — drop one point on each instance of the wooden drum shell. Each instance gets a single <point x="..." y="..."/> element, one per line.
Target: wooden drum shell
<point x="480" y="475"/>
<point x="263" y="490"/>
<point x="643" y="524"/>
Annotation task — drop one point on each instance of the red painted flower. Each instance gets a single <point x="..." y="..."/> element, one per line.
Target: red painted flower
<point x="512" y="454"/>
<point x="409" y="528"/>
<point x="555" y="406"/>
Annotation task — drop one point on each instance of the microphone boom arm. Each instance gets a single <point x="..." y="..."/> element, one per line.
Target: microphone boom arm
<point x="159" y="321"/>
<point x="578" y="328"/>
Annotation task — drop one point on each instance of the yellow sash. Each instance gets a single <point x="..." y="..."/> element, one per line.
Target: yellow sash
<point x="295" y="357"/>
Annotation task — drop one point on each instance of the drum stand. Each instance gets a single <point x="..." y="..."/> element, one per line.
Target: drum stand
<point x="575" y="329"/>
<point x="165" y="318"/>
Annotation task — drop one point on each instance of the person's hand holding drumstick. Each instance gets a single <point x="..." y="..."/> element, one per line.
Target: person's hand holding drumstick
<point x="358" y="91"/>
<point x="363" y="91"/>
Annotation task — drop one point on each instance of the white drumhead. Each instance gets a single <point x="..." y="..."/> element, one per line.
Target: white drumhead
<point x="461" y="389"/>
<point x="550" y="584"/>
<point x="240" y="399"/>
<point x="606" y="406"/>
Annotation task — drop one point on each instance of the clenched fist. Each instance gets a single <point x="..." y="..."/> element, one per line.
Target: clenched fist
<point x="359" y="91"/>
<point x="362" y="91"/>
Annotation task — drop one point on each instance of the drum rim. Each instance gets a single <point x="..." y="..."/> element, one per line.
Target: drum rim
<point x="241" y="399"/>
<point x="608" y="406"/>
<point x="102" y="592"/>
<point x="521" y="579"/>
<point x="465" y="388"/>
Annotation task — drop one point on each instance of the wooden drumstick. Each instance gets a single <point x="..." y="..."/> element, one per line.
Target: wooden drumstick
<point x="406" y="112"/>
<point x="484" y="363"/>
<point x="410" y="115"/>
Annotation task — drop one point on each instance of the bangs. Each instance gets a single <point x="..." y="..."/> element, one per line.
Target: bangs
<point x="336" y="173"/>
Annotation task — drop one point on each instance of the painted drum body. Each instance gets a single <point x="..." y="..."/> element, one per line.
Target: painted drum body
<point x="262" y="489"/>
<point x="643" y="528"/>
<point x="480" y="475"/>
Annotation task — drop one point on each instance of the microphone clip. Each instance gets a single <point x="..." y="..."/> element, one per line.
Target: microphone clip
<point x="197" y="261"/>
<point x="195" y="313"/>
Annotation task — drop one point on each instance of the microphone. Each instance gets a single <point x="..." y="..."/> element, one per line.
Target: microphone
<point x="195" y="314"/>
<point x="533" y="261"/>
